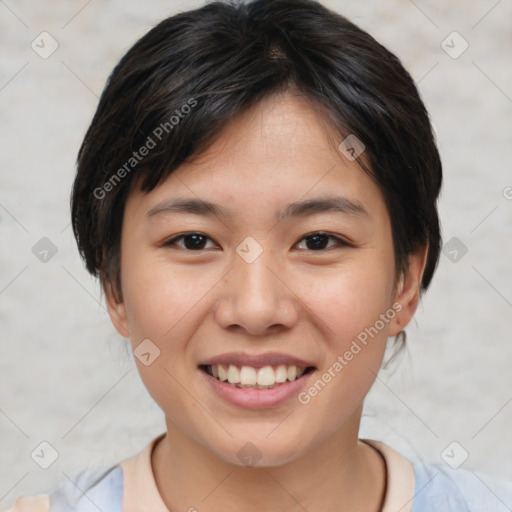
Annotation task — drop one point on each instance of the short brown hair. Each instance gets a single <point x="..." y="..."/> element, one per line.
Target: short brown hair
<point x="182" y="82"/>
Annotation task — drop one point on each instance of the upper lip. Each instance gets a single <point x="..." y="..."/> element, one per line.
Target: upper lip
<point x="256" y="360"/>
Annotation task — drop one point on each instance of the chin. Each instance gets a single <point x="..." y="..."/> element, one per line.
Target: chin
<point x="259" y="451"/>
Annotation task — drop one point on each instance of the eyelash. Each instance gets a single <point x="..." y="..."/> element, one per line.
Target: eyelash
<point x="339" y="242"/>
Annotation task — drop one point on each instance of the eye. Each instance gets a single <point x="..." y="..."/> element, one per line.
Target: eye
<point x="191" y="241"/>
<point x="196" y="241"/>
<point x="319" y="241"/>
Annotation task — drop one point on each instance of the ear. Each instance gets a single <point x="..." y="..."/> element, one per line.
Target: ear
<point x="407" y="292"/>
<point x="116" y="310"/>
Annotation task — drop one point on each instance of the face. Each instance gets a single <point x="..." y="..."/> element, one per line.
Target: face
<point x="268" y="258"/>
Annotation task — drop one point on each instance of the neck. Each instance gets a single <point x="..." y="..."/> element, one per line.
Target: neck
<point x="340" y="474"/>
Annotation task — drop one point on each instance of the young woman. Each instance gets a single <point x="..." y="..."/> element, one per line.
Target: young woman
<point x="257" y="193"/>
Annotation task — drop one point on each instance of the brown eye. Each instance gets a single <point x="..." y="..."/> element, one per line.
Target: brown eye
<point x="319" y="241"/>
<point x="190" y="241"/>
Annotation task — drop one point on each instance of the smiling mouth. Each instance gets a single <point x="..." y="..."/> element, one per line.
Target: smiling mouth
<point x="248" y="377"/>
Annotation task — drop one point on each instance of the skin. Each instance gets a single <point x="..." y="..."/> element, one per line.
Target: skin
<point x="194" y="304"/>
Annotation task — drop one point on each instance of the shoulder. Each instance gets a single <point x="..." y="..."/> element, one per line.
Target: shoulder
<point x="462" y="490"/>
<point x="88" y="491"/>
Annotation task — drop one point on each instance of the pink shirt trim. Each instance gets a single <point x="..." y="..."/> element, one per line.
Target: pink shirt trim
<point x="140" y="493"/>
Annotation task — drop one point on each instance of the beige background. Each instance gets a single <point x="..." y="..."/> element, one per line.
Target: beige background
<point x="68" y="379"/>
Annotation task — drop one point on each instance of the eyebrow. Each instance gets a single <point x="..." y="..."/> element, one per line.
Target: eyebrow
<point x="329" y="204"/>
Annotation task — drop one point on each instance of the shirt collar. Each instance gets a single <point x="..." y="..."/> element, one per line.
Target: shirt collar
<point x="140" y="493"/>
<point x="401" y="479"/>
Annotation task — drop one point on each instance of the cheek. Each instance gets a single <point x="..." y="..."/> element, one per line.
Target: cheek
<point x="162" y="303"/>
<point x="347" y="301"/>
<point x="159" y="296"/>
<point x="165" y="303"/>
<point x="350" y="307"/>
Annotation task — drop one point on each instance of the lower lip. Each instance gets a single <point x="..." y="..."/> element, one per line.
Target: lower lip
<point x="257" y="398"/>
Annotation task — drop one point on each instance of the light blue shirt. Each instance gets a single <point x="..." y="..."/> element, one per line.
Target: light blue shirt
<point x="437" y="489"/>
<point x="441" y="489"/>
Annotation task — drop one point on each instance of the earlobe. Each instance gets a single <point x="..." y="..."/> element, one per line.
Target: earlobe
<point x="116" y="310"/>
<point x="408" y="289"/>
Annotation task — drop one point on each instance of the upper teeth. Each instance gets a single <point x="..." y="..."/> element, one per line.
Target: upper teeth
<point x="249" y="376"/>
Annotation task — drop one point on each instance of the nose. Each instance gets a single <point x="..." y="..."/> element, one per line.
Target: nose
<point x="255" y="297"/>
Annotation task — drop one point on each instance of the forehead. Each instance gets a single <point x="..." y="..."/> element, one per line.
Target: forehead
<point x="278" y="152"/>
